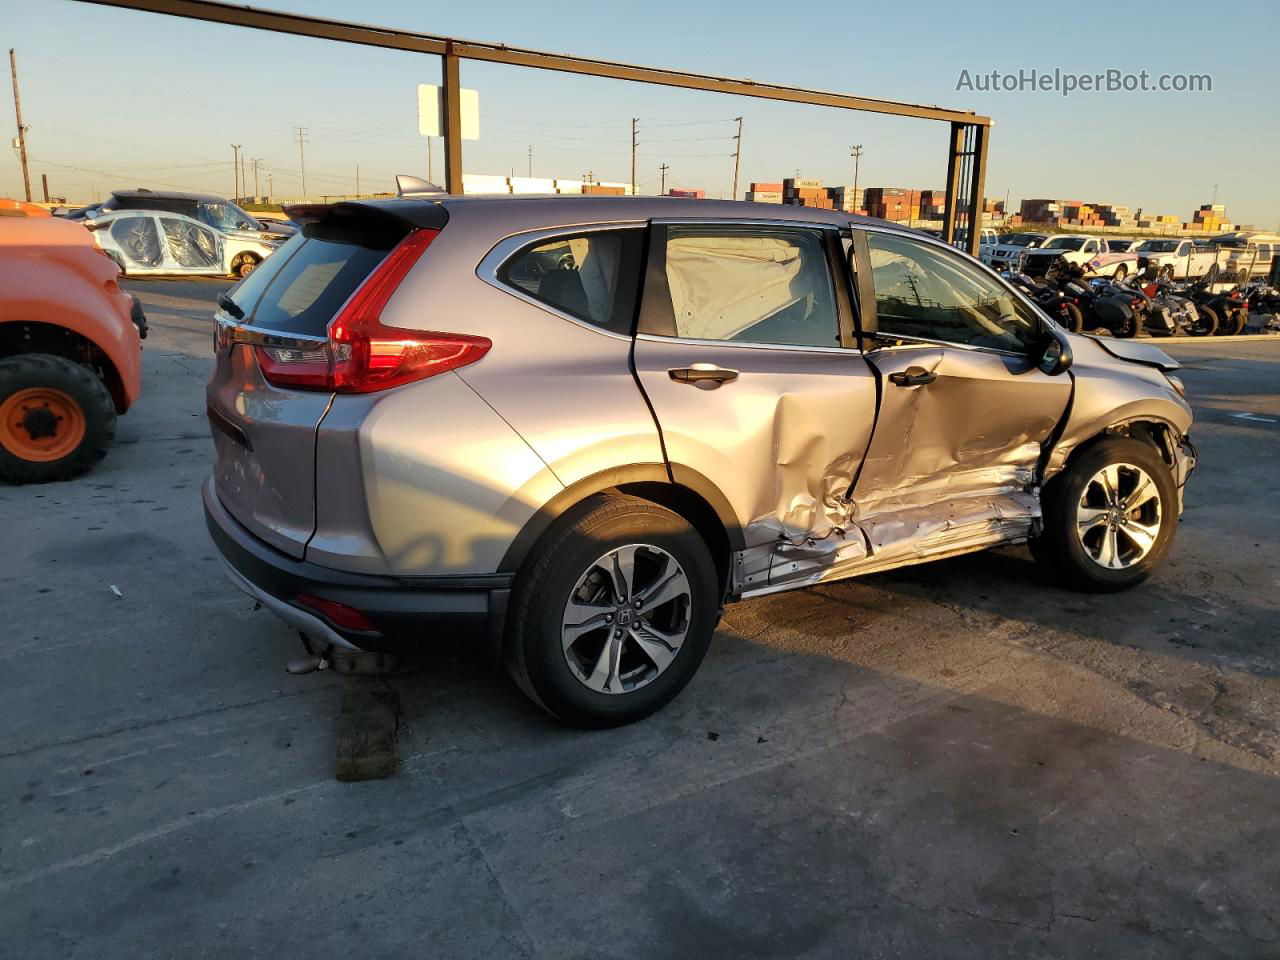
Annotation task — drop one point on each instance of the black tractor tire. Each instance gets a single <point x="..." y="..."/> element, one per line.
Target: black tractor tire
<point x="81" y="390"/>
<point x="534" y="653"/>
<point x="1060" y="549"/>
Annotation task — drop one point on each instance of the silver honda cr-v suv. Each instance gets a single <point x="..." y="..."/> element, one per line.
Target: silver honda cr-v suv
<point x="575" y="427"/>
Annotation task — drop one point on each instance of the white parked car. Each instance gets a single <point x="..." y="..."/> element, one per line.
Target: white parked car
<point x="1091" y="254"/>
<point x="157" y="243"/>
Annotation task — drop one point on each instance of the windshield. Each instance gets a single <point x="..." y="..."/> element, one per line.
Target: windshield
<point x="1022" y="239"/>
<point x="1065" y="243"/>
<point x="1158" y="246"/>
<point x="225" y="215"/>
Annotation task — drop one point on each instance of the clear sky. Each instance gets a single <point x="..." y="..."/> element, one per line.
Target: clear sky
<point x="115" y="98"/>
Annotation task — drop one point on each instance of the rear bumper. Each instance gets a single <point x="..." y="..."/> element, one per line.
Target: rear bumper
<point x="408" y="612"/>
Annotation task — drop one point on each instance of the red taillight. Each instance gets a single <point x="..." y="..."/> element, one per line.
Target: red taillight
<point x="363" y="355"/>
<point x="339" y="614"/>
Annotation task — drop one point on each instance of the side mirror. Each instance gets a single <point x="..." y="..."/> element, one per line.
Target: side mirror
<point x="1055" y="353"/>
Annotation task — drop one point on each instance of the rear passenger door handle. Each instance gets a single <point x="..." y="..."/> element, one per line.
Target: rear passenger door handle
<point x="702" y="372"/>
<point x="912" y="377"/>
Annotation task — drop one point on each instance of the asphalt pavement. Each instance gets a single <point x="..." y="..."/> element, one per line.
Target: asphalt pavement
<point x="957" y="760"/>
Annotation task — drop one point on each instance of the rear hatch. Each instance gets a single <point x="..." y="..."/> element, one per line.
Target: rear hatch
<point x="273" y="378"/>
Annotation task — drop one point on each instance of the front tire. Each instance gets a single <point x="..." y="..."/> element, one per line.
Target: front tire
<point x="614" y="614"/>
<point x="1109" y="518"/>
<point x="57" y="419"/>
<point x="244" y="266"/>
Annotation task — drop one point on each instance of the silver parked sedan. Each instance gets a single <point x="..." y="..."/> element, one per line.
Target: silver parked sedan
<point x="578" y="426"/>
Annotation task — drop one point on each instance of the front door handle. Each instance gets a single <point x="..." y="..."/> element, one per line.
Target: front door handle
<point x="912" y="377"/>
<point x="707" y="373"/>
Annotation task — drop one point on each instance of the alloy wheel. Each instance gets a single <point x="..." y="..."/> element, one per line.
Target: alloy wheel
<point x="1118" y="518"/>
<point x="626" y="618"/>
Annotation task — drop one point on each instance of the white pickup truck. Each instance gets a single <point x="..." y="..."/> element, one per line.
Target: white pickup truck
<point x="1091" y="254"/>
<point x="1174" y="257"/>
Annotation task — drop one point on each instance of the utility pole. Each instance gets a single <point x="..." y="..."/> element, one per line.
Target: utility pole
<point x="737" y="155"/>
<point x="44" y="182"/>
<point x="271" y="184"/>
<point x="634" y="121"/>
<point x="255" y="163"/>
<point x="235" y="166"/>
<point x="357" y="179"/>
<point x="662" y="169"/>
<point x="531" y="160"/>
<point x="856" y="152"/>
<point x="244" y="181"/>
<point x="22" y="131"/>
<point x="301" y="133"/>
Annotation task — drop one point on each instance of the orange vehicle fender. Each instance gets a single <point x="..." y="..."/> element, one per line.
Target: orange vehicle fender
<point x="52" y="273"/>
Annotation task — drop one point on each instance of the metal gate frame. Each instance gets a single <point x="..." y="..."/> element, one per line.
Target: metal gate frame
<point x="966" y="154"/>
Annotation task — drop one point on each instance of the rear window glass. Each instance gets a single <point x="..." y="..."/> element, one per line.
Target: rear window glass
<point x="313" y="279"/>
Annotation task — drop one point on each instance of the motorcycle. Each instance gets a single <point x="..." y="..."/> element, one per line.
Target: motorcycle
<point x="1231" y="309"/>
<point x="1261" y="304"/>
<point x="1117" y="310"/>
<point x="1172" y="313"/>
<point x="1059" y="304"/>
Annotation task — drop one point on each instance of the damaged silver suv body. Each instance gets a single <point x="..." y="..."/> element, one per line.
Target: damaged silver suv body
<point x="576" y="427"/>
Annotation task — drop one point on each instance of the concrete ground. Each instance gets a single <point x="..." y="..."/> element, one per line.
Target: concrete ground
<point x="953" y="761"/>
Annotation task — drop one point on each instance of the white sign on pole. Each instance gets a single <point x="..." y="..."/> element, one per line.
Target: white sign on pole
<point x="431" y="109"/>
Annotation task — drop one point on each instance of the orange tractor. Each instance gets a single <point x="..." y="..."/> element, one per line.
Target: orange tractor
<point x="70" y="351"/>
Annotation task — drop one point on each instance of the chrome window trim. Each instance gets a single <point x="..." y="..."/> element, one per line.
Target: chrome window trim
<point x="747" y="344"/>
<point x="488" y="267"/>
<point x="262" y="337"/>
<point x="1017" y="294"/>
<point x="752" y="344"/>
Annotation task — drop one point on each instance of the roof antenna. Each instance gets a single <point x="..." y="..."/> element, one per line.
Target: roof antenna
<point x="407" y="186"/>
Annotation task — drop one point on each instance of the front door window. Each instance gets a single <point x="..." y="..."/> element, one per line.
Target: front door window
<point x="927" y="293"/>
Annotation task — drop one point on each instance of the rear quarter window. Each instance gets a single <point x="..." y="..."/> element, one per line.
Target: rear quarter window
<point x="590" y="276"/>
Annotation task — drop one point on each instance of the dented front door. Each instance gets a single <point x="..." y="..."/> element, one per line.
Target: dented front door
<point x="964" y="410"/>
<point x="743" y="352"/>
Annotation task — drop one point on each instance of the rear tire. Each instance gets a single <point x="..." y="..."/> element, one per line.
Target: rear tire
<point x="1206" y="322"/>
<point x="1122" y="271"/>
<point x="57" y="419"/>
<point x="1231" y="323"/>
<point x="1072" y="318"/>
<point x="1080" y="559"/>
<point x="565" y="679"/>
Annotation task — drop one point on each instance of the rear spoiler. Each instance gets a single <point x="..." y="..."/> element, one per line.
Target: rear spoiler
<point x="414" y="214"/>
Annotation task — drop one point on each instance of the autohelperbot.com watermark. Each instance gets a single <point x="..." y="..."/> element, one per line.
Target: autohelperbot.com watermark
<point x="1066" y="82"/>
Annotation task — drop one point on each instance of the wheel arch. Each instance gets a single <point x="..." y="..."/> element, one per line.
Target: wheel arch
<point x="18" y="337"/>
<point x="1160" y="433"/>
<point x="678" y="488"/>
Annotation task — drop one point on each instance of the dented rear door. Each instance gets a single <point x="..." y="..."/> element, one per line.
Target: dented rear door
<point x="744" y="352"/>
